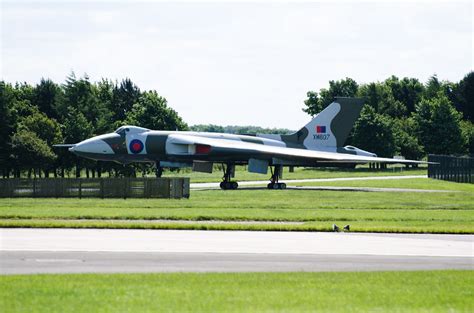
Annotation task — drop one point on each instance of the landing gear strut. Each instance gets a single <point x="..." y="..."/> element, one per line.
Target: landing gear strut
<point x="229" y="170"/>
<point x="274" y="184"/>
<point x="158" y="169"/>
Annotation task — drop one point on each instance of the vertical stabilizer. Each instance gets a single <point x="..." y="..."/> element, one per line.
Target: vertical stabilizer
<point x="330" y="127"/>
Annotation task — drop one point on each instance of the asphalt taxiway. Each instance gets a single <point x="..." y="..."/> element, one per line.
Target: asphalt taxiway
<point x="96" y="250"/>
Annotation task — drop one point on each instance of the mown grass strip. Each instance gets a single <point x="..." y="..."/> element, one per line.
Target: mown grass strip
<point x="412" y="183"/>
<point x="276" y="215"/>
<point x="260" y="199"/>
<point x="299" y="173"/>
<point x="418" y="291"/>
<point x="356" y="226"/>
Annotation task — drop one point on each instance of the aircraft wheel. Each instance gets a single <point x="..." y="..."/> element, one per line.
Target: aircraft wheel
<point x="282" y="186"/>
<point x="235" y="185"/>
<point x="270" y="186"/>
<point x="223" y="185"/>
<point x="276" y="186"/>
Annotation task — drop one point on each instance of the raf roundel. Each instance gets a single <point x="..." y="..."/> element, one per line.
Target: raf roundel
<point x="136" y="146"/>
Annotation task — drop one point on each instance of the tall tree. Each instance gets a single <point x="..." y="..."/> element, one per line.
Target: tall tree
<point x="408" y="91"/>
<point x="438" y="126"/>
<point x="313" y="103"/>
<point x="465" y="93"/>
<point x="152" y="112"/>
<point x="7" y="97"/>
<point x="47" y="96"/>
<point x="373" y="132"/>
<point x="406" y="142"/>
<point x="81" y="95"/>
<point x="44" y="127"/>
<point x="341" y="88"/>
<point x="124" y="97"/>
<point x="433" y="87"/>
<point x="105" y="96"/>
<point x="30" y="152"/>
<point x="380" y="97"/>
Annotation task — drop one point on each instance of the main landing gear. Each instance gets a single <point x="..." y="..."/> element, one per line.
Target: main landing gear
<point x="274" y="184"/>
<point x="229" y="170"/>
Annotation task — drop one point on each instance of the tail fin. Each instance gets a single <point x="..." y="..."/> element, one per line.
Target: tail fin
<point x="330" y="127"/>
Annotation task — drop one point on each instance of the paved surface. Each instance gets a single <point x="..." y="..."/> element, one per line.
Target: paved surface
<point x="94" y="250"/>
<point x="22" y="262"/>
<point x="312" y="180"/>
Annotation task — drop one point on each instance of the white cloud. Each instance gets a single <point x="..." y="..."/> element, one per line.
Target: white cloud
<point x="230" y="63"/>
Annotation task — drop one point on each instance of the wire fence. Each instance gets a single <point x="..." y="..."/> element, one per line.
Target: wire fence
<point x="451" y="168"/>
<point x="175" y="188"/>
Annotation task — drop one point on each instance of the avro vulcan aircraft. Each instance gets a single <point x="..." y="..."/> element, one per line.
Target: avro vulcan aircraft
<point x="319" y="143"/>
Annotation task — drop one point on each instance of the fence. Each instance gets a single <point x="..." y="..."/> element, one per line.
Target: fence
<point x="457" y="169"/>
<point x="95" y="188"/>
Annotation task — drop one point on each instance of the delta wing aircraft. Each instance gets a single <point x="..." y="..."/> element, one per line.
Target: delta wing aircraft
<point x="319" y="143"/>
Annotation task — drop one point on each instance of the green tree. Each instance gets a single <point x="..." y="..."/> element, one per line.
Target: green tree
<point x="76" y="129"/>
<point x="7" y="98"/>
<point x="438" y="126"/>
<point x="433" y="87"/>
<point x="313" y="103"/>
<point x="207" y="128"/>
<point x="30" y="152"/>
<point x="81" y="95"/>
<point x="380" y="97"/>
<point x="465" y="95"/>
<point x="151" y="111"/>
<point x="48" y="96"/>
<point x="467" y="130"/>
<point x="124" y="97"/>
<point x="373" y="132"/>
<point x="44" y="127"/>
<point x="408" y="91"/>
<point x="341" y="88"/>
<point x="406" y="142"/>
<point x="105" y="96"/>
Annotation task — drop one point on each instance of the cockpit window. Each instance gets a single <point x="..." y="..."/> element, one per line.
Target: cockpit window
<point x="133" y="129"/>
<point x="121" y="130"/>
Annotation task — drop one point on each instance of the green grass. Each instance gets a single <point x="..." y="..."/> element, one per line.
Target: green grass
<point x="299" y="173"/>
<point x="412" y="183"/>
<point x="447" y="212"/>
<point x="423" y="291"/>
<point x="435" y="227"/>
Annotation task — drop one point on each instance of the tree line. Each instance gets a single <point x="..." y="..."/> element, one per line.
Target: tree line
<point x="33" y="118"/>
<point x="406" y="117"/>
<point x="401" y="117"/>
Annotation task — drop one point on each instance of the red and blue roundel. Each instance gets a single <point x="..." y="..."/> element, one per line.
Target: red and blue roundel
<point x="136" y="146"/>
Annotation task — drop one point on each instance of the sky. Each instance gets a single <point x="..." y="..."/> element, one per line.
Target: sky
<point x="236" y="63"/>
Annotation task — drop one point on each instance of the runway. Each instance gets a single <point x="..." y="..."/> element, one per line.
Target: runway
<point x="96" y="251"/>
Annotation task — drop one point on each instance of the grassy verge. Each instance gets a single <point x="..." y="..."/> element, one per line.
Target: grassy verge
<point x="428" y="291"/>
<point x="414" y="183"/>
<point x="434" y="227"/>
<point x="242" y="174"/>
<point x="449" y="212"/>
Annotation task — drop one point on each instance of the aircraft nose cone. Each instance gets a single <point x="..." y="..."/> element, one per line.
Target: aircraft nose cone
<point x="92" y="146"/>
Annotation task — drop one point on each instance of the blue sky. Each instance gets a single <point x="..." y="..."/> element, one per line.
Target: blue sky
<point x="236" y="63"/>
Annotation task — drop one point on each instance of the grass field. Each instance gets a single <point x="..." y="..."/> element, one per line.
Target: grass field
<point x="241" y="173"/>
<point x="426" y="291"/>
<point x="447" y="212"/>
